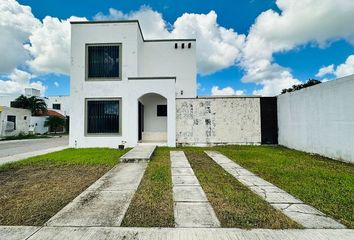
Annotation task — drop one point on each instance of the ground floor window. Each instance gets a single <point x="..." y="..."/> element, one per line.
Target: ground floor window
<point x="11" y="118"/>
<point x="162" y="110"/>
<point x="103" y="116"/>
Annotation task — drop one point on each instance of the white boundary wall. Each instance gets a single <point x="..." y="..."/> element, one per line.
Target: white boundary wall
<point x="319" y="119"/>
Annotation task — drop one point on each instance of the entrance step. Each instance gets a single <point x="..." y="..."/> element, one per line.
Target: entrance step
<point x="139" y="153"/>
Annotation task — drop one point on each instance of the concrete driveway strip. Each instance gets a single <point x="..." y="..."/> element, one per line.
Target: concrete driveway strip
<point x="118" y="233"/>
<point x="304" y="214"/>
<point x="191" y="206"/>
<point x="105" y="202"/>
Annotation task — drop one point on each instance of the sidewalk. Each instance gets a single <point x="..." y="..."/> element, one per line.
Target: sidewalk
<point x="117" y="233"/>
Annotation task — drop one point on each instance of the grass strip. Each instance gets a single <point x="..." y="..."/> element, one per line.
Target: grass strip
<point x="326" y="184"/>
<point x="152" y="204"/>
<point x="234" y="204"/>
<point x="35" y="189"/>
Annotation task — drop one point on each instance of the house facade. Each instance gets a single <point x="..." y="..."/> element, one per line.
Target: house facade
<point x="123" y="87"/>
<point x="14" y="121"/>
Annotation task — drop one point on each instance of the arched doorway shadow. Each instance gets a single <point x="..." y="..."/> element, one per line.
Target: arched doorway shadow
<point x="152" y="118"/>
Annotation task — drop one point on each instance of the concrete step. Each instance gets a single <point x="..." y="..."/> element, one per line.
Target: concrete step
<point x="139" y="153"/>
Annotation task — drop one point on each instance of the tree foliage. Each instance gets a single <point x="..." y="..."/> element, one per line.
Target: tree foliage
<point x="54" y="122"/>
<point x="309" y="83"/>
<point x="35" y="104"/>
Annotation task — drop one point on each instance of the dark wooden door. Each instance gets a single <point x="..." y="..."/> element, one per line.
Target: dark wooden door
<point x="269" y="120"/>
<point x="140" y="120"/>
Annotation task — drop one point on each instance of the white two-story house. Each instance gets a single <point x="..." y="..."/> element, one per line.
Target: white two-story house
<point x="124" y="87"/>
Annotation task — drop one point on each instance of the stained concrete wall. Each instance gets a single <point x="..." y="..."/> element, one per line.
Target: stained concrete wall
<point x="218" y="120"/>
<point x="23" y="118"/>
<point x="319" y="119"/>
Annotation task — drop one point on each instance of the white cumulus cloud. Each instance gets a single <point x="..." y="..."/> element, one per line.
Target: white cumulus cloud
<point x="346" y="68"/>
<point x="17" y="81"/>
<point x="298" y="23"/>
<point x="341" y="70"/>
<point x="227" y="91"/>
<point x="50" y="46"/>
<point x="325" y="70"/>
<point x="16" y="25"/>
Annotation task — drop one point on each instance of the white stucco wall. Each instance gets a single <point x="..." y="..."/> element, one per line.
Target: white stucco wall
<point x="37" y="124"/>
<point x="219" y="120"/>
<point x="22" y="124"/>
<point x="64" y="102"/>
<point x="319" y="119"/>
<point x="160" y="58"/>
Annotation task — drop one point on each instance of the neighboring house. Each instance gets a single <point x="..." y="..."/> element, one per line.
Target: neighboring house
<point x="14" y="121"/>
<point x="38" y="122"/>
<point x="60" y="104"/>
<point x="55" y="104"/>
<point x="124" y="87"/>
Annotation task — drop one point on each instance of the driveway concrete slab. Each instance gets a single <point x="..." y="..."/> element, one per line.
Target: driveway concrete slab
<point x="189" y="194"/>
<point x="182" y="172"/>
<point x="180" y="164"/>
<point x="188" y="214"/>
<point x="185" y="180"/>
<point x="94" y="208"/>
<point x="122" y="177"/>
<point x="191" y="206"/>
<point x="306" y="215"/>
<point x="105" y="202"/>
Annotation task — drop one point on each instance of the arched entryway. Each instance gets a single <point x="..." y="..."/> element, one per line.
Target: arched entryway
<point x="152" y="118"/>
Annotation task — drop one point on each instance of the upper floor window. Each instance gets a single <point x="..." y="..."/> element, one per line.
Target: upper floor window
<point x="56" y="106"/>
<point x="103" y="61"/>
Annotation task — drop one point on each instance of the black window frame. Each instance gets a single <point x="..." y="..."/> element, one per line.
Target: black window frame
<point x="161" y="110"/>
<point x="14" y="120"/>
<point x="56" y="104"/>
<point x="115" y="78"/>
<point x="87" y="132"/>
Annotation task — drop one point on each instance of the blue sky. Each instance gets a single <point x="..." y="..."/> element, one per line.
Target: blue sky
<point x="301" y="61"/>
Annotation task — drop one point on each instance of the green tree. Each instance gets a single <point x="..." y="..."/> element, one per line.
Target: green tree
<point x="35" y="104"/>
<point x="54" y="122"/>
<point x="309" y="83"/>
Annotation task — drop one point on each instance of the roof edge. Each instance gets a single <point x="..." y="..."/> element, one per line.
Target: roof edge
<point x="132" y="21"/>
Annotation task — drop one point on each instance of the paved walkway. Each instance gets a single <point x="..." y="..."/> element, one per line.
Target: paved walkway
<point x="118" y="233"/>
<point x="191" y="206"/>
<point x="306" y="215"/>
<point x="140" y="152"/>
<point x="105" y="202"/>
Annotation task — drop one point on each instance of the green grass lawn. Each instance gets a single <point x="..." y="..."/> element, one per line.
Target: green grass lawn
<point x="321" y="182"/>
<point x="34" y="189"/>
<point x="234" y="204"/>
<point x="152" y="204"/>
